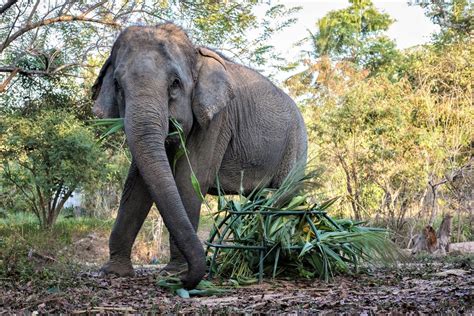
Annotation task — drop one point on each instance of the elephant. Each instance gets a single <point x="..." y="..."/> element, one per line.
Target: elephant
<point x="234" y="119"/>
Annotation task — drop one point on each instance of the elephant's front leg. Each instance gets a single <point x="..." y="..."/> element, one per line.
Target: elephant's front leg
<point x="192" y="203"/>
<point x="206" y="149"/>
<point x="134" y="207"/>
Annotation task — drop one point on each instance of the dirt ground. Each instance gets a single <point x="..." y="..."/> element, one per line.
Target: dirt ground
<point x="426" y="286"/>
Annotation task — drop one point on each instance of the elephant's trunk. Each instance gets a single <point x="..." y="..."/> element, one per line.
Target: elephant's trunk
<point x="146" y="127"/>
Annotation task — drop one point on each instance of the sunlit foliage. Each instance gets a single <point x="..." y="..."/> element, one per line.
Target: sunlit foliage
<point x="389" y="133"/>
<point x="45" y="158"/>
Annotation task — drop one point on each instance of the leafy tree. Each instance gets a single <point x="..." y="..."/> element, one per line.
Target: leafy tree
<point x="389" y="146"/>
<point x="45" y="158"/>
<point x="367" y="136"/>
<point x="354" y="34"/>
<point x="391" y="130"/>
<point x="445" y="113"/>
<point x="61" y="38"/>
<point x="349" y="45"/>
<point x="235" y="29"/>
<point x="455" y="19"/>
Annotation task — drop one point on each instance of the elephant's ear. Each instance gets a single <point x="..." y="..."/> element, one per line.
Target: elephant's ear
<point x="213" y="89"/>
<point x="103" y="93"/>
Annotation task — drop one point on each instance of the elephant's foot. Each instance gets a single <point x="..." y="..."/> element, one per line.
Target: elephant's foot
<point x="174" y="268"/>
<point x="122" y="269"/>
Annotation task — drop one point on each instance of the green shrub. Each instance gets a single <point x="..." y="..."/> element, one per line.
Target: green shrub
<point x="45" y="158"/>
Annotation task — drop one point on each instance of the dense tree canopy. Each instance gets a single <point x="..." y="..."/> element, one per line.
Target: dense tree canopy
<point x="390" y="126"/>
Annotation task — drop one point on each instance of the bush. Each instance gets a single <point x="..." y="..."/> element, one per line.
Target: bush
<point x="45" y="158"/>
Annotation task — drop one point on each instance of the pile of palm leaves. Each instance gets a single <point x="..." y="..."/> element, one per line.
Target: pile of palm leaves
<point x="298" y="237"/>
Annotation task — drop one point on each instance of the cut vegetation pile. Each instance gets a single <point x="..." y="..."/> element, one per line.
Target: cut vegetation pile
<point x="282" y="230"/>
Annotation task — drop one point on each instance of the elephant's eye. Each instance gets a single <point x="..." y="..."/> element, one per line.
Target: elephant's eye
<point x="174" y="87"/>
<point x="176" y="84"/>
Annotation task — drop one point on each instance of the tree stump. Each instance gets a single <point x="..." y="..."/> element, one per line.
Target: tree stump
<point x="444" y="234"/>
<point x="431" y="241"/>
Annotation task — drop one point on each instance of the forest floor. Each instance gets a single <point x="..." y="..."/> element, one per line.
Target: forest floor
<point x="426" y="285"/>
<point x="56" y="272"/>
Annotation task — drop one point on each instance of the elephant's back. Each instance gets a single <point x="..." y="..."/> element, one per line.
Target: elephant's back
<point x="268" y="132"/>
<point x="260" y="106"/>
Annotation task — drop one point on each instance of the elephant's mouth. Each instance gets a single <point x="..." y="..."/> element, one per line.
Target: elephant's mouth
<point x="172" y="141"/>
<point x="173" y="136"/>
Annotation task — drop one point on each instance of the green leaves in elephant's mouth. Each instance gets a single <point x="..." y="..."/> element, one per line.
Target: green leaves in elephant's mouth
<point x="115" y="125"/>
<point x="183" y="151"/>
<point x="175" y="135"/>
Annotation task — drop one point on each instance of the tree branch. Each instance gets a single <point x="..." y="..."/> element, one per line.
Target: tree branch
<point x="95" y="6"/>
<point x="37" y="72"/>
<point x="6" y="82"/>
<point x="31" y="200"/>
<point x="56" y="197"/>
<point x="41" y="201"/>
<point x="61" y="203"/>
<point x="32" y="13"/>
<point x="7" y="5"/>
<point x="59" y="19"/>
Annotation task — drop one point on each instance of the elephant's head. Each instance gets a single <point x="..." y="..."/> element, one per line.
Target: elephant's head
<point x="152" y="74"/>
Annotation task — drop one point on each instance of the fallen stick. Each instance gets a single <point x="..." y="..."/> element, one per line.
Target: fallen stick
<point x="105" y="308"/>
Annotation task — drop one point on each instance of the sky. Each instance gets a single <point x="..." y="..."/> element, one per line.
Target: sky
<point x="411" y="26"/>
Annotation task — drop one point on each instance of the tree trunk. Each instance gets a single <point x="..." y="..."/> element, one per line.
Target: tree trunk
<point x="53" y="213"/>
<point x="444" y="234"/>
<point x="434" y="204"/>
<point x="351" y="191"/>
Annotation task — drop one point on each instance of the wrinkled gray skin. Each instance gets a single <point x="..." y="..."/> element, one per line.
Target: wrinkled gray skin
<point x="234" y="119"/>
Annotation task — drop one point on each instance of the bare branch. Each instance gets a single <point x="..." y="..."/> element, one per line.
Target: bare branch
<point x="7" y="5"/>
<point x="27" y="72"/>
<point x="32" y="12"/>
<point x="59" y="19"/>
<point x="93" y="7"/>
<point x="12" y="27"/>
<point x="6" y="82"/>
<point x="65" y="8"/>
<point x="139" y="11"/>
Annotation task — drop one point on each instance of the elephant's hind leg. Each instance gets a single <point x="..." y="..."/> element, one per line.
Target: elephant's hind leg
<point x="134" y="207"/>
<point x="294" y="158"/>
